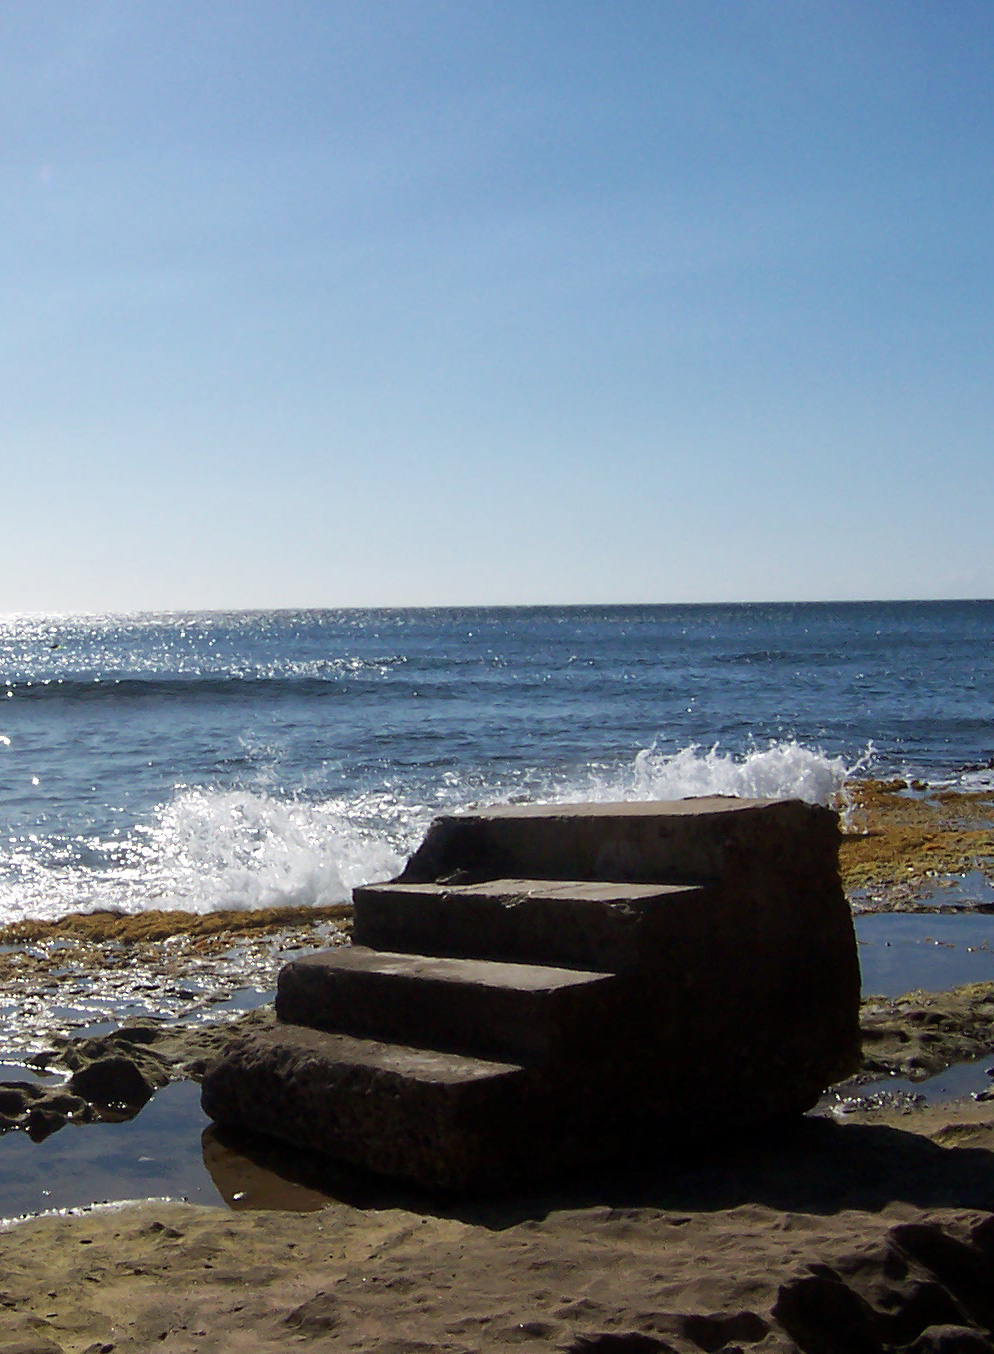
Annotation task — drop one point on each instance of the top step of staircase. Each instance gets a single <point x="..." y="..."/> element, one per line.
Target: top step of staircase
<point x="689" y="841"/>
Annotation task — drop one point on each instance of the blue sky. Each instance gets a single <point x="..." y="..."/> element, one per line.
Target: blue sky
<point x="415" y="301"/>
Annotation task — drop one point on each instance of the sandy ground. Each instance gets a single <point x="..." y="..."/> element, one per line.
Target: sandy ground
<point x="870" y="1230"/>
<point x="871" y="1234"/>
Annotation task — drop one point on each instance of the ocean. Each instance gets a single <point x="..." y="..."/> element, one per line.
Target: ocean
<point x="213" y="761"/>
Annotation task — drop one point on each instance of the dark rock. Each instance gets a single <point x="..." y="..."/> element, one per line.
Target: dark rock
<point x="713" y="1333"/>
<point x="951" y="1340"/>
<point x="43" y="1122"/>
<point x="136" y="1034"/>
<point x="16" y="1096"/>
<point x="113" y="1082"/>
<point x="64" y="1102"/>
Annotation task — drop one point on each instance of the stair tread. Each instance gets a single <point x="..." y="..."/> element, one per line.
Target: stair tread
<point x="416" y="1064"/>
<point x="586" y="890"/>
<point x="523" y="977"/>
<point x="592" y="925"/>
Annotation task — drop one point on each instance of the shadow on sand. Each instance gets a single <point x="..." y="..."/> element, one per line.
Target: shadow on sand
<point x="810" y="1165"/>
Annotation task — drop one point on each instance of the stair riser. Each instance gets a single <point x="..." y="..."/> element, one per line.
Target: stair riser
<point x="477" y="1019"/>
<point x="612" y="937"/>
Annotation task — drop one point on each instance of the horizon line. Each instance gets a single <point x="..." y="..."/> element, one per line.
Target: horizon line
<point x="481" y="606"/>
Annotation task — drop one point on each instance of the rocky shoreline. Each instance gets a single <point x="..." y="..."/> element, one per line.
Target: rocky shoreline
<point x="865" y="1227"/>
<point x="113" y="1076"/>
<point x="901" y="846"/>
<point x="905" y="848"/>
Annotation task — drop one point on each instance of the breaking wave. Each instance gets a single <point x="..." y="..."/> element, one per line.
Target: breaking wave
<point x="781" y="771"/>
<point x="208" y="850"/>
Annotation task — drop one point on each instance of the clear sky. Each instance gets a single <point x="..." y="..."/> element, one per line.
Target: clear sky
<point x="435" y="301"/>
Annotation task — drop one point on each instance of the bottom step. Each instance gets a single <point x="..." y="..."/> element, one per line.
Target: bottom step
<point x="440" y="1119"/>
<point x="447" y="1121"/>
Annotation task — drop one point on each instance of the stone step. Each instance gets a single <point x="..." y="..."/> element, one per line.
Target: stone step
<point x="574" y="976"/>
<point x="524" y="1012"/>
<point x="687" y="841"/>
<point x="587" y="924"/>
<point x="431" y="1117"/>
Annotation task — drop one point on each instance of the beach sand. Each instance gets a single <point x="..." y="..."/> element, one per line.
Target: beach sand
<point x="867" y="1227"/>
<point x="875" y="1233"/>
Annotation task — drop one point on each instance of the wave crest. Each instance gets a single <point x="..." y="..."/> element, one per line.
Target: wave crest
<point x="781" y="771"/>
<point x="215" y="851"/>
<point x="212" y="850"/>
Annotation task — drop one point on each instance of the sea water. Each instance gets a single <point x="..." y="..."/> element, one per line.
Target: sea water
<point x="210" y="761"/>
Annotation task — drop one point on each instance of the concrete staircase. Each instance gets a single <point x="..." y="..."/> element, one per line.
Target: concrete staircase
<point x="544" y="986"/>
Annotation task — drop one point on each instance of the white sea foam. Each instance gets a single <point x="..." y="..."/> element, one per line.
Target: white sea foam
<point x="208" y="850"/>
<point x="780" y="771"/>
<point x="971" y="780"/>
<point x="212" y="851"/>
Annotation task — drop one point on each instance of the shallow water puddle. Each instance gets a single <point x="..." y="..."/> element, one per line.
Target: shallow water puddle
<point x="30" y="1024"/>
<point x="902" y="951"/>
<point x="971" y="890"/>
<point x="971" y="1078"/>
<point x="157" y="1154"/>
<point x="18" y="1071"/>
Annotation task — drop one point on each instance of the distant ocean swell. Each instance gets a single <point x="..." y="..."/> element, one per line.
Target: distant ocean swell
<point x="190" y="687"/>
<point x="207" y="850"/>
<point x="447" y="682"/>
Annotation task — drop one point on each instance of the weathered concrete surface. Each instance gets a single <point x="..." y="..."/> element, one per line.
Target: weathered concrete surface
<point x="424" y="1115"/>
<point x="754" y="966"/>
<point x="486" y="1009"/>
<point x="689" y="841"/>
<point x="651" y="969"/>
<point x="575" y="923"/>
